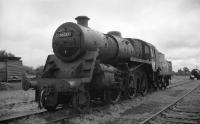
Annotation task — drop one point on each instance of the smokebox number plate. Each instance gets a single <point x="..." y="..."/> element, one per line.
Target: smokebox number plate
<point x="65" y="34"/>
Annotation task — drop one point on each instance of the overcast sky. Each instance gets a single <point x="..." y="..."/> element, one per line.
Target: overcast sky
<point x="173" y="26"/>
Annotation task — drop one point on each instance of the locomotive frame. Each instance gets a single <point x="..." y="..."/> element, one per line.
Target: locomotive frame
<point x="89" y="65"/>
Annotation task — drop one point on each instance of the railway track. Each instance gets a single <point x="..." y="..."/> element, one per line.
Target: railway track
<point x="9" y="119"/>
<point x="178" y="83"/>
<point x="61" y="119"/>
<point x="178" y="112"/>
<point x="10" y="105"/>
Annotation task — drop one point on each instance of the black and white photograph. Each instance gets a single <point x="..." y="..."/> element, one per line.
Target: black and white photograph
<point x="99" y="61"/>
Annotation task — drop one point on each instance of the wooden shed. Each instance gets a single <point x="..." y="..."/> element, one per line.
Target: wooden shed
<point x="10" y="69"/>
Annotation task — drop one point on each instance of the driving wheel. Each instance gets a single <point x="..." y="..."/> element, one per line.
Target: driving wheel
<point x="132" y="88"/>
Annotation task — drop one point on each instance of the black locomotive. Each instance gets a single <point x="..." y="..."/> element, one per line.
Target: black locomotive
<point x="89" y="65"/>
<point x="195" y="73"/>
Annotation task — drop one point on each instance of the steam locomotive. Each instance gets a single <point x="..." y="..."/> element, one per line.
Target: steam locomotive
<point x="89" y="65"/>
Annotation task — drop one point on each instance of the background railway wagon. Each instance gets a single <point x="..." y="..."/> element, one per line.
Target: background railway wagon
<point x="10" y="69"/>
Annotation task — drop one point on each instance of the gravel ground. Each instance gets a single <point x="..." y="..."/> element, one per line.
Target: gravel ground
<point x="15" y="96"/>
<point x="136" y="110"/>
<point x="18" y="110"/>
<point x="179" y="78"/>
<point x="191" y="101"/>
<point x="127" y="111"/>
<point x="11" y="102"/>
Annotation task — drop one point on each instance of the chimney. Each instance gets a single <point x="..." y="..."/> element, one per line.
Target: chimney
<point x="82" y="20"/>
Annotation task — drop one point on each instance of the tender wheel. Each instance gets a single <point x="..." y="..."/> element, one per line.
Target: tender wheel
<point x="113" y="95"/>
<point x="48" y="100"/>
<point x="163" y="84"/>
<point x="81" y="101"/>
<point x="132" y="89"/>
<point x="160" y="84"/>
<point x="166" y="83"/>
<point x="154" y="86"/>
<point x="144" y="84"/>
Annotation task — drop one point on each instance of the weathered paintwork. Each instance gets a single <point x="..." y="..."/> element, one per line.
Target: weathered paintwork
<point x="86" y="61"/>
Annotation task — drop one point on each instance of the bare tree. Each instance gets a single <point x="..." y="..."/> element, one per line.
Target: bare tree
<point x="180" y="72"/>
<point x="186" y="70"/>
<point x="4" y="54"/>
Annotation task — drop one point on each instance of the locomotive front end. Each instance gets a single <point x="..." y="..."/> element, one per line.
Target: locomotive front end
<point x="81" y="60"/>
<point x="67" y="41"/>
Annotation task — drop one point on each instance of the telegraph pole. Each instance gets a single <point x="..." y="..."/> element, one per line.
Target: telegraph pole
<point x="6" y="63"/>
